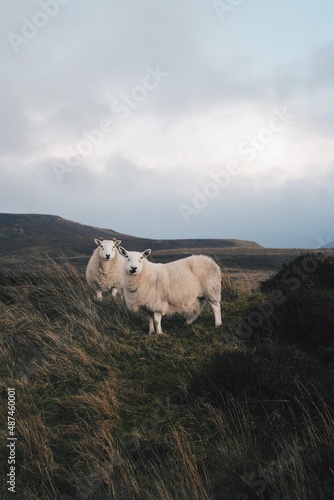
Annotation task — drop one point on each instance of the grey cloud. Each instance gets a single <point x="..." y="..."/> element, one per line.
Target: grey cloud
<point x="321" y="67"/>
<point x="271" y="214"/>
<point x="123" y="197"/>
<point x="63" y="82"/>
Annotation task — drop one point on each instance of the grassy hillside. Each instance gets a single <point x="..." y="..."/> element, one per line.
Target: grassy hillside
<point x="104" y="411"/>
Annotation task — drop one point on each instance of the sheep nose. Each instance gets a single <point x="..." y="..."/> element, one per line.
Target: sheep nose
<point x="133" y="269"/>
<point x="108" y="256"/>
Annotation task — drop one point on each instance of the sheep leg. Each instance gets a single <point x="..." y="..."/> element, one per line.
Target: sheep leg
<point x="157" y="322"/>
<point x="217" y="312"/>
<point x="197" y="312"/>
<point x="150" y="325"/>
<point x="193" y="317"/>
<point x="114" y="292"/>
<point x="98" y="294"/>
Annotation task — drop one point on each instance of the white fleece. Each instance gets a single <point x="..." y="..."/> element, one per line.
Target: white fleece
<point x="102" y="273"/>
<point x="180" y="287"/>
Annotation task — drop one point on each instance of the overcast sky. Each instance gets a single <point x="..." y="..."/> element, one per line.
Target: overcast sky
<point x="171" y="119"/>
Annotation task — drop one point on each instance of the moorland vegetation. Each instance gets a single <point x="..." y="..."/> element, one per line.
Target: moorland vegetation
<point x="105" y="411"/>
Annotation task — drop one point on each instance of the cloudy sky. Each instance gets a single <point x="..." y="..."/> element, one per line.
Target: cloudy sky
<point x="171" y="119"/>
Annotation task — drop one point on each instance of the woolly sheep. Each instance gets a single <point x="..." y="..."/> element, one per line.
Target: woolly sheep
<point x="182" y="286"/>
<point x="105" y="267"/>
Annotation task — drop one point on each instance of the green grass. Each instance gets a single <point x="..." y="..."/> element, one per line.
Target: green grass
<point x="104" y="411"/>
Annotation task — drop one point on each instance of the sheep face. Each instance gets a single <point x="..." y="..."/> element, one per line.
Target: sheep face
<point x="134" y="261"/>
<point x="107" y="248"/>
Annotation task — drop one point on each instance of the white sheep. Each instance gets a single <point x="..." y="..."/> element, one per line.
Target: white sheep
<point x="182" y="286"/>
<point x="105" y="268"/>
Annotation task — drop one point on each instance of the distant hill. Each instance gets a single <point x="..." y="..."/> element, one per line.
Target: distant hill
<point x="28" y="239"/>
<point x="26" y="236"/>
<point x="328" y="246"/>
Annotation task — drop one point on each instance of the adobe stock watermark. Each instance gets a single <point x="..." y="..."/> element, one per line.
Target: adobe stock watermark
<point x="162" y="412"/>
<point x="258" y="143"/>
<point x="201" y="199"/>
<point x="91" y="482"/>
<point x="121" y="108"/>
<point x="293" y="277"/>
<point x="251" y="147"/>
<point x="49" y="9"/>
<point x="325" y="243"/>
<point x="264" y="477"/>
<point x="225" y="7"/>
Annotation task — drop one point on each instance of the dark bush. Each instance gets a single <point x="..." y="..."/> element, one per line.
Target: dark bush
<point x="309" y="270"/>
<point x="275" y="382"/>
<point x="305" y="313"/>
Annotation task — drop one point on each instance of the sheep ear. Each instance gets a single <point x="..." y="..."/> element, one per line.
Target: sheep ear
<point x="117" y="242"/>
<point x="146" y="253"/>
<point x="98" y="241"/>
<point x="122" y="251"/>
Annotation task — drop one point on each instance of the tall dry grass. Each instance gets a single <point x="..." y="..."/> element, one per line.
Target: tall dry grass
<point x="105" y="411"/>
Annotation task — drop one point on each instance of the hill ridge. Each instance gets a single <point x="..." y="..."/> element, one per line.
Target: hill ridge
<point x="24" y="227"/>
<point x="31" y="239"/>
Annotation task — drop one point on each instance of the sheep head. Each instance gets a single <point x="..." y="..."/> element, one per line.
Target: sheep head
<point x="107" y="248"/>
<point x="134" y="260"/>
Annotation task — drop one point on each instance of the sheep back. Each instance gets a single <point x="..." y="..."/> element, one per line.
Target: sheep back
<point x="174" y="287"/>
